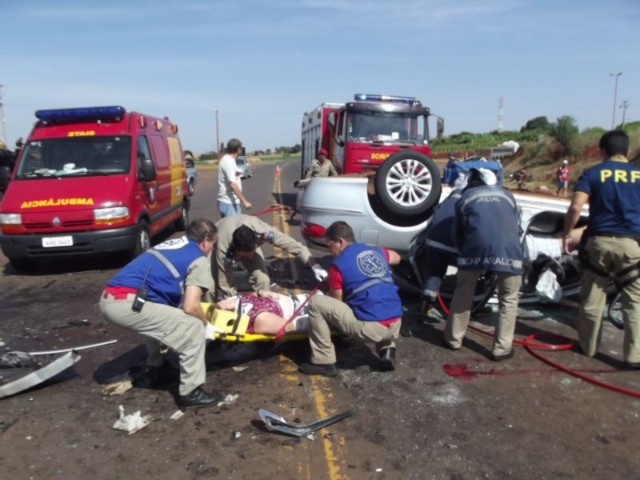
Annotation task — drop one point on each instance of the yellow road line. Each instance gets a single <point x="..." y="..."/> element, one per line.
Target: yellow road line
<point x="320" y="388"/>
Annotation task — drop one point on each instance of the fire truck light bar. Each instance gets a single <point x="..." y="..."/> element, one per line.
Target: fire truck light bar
<point x="368" y="97"/>
<point x="67" y="114"/>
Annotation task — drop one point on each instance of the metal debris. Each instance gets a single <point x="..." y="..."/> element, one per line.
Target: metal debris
<point x="18" y="360"/>
<point x="276" y="423"/>
<point x="39" y="376"/>
<point x="72" y="349"/>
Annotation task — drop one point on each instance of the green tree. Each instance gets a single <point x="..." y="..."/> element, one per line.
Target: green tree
<point x="208" y="156"/>
<point x="564" y="131"/>
<point x="538" y="123"/>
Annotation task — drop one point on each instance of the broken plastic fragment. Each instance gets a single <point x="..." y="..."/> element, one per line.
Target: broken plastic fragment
<point x="228" y="399"/>
<point x="131" y="423"/>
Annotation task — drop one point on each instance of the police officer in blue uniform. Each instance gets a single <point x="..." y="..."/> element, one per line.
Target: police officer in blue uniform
<point x="440" y="250"/>
<point x="158" y="295"/>
<point x="612" y="189"/>
<point x="434" y="253"/>
<point x="363" y="302"/>
<point x="486" y="232"/>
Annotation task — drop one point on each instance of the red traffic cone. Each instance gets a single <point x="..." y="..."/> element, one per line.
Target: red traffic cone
<point x="277" y="169"/>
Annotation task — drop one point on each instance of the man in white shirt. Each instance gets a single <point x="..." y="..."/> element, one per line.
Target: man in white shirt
<point x="229" y="183"/>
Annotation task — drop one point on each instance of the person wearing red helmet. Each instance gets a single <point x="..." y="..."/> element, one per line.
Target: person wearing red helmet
<point x="322" y="166"/>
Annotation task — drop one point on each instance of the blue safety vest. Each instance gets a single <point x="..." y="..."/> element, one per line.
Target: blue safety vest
<point x="367" y="284"/>
<point x="162" y="269"/>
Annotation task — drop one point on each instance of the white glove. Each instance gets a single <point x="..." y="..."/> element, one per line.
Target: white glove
<point x="320" y="273"/>
<point x="210" y="331"/>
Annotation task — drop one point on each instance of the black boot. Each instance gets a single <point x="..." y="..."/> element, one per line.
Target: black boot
<point x="406" y="326"/>
<point x="388" y="359"/>
<point x="198" y="398"/>
<point x="325" y="370"/>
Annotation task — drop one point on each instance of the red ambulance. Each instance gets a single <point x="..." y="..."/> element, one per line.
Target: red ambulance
<point x="93" y="181"/>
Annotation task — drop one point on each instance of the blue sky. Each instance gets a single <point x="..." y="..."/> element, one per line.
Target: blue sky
<point x="262" y="63"/>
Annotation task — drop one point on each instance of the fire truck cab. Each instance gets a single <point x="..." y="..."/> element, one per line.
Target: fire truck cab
<point x="388" y="135"/>
<point x="92" y="181"/>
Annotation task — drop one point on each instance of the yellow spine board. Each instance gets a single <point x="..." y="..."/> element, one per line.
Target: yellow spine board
<point x="224" y="320"/>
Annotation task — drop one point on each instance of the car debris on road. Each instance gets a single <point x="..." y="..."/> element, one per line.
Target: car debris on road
<point x="276" y="423"/>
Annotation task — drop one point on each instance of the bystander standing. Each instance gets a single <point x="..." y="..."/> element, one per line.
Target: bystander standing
<point x="562" y="178"/>
<point x="229" y="183"/>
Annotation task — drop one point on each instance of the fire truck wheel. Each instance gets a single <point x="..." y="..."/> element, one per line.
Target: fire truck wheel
<point x="408" y="183"/>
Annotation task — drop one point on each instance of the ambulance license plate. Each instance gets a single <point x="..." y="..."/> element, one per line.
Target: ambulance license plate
<point x="48" y="242"/>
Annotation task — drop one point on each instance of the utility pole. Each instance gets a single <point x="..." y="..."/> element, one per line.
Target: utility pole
<point x="615" y="98"/>
<point x="500" y="115"/>
<point x="217" y="136"/>
<point x="3" y="132"/>
<point x="624" y="105"/>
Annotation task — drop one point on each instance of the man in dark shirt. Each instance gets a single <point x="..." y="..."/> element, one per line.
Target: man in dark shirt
<point x="612" y="189"/>
<point x="483" y="210"/>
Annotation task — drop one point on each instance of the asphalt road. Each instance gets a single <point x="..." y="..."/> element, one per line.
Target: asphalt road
<point x="440" y="415"/>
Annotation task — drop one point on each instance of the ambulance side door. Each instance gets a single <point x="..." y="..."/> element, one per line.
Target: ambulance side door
<point x="149" y="191"/>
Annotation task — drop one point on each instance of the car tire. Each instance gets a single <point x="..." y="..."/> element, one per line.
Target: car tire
<point x="408" y="183"/>
<point x="143" y="240"/>
<point x="183" y="221"/>
<point x="192" y="187"/>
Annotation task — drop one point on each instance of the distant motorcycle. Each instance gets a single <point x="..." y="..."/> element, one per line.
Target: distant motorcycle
<point x="520" y="177"/>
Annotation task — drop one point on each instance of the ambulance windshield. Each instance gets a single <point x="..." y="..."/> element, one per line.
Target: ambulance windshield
<point x="76" y="156"/>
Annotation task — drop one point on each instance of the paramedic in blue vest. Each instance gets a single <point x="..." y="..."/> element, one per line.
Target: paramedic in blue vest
<point x="487" y="232"/>
<point x="363" y="302"/>
<point x="175" y="275"/>
<point x="612" y="190"/>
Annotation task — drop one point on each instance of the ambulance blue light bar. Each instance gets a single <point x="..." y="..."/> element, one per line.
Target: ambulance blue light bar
<point x="368" y="97"/>
<point x="84" y="113"/>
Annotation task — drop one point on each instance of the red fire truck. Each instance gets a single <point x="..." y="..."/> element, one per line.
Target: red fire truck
<point x="360" y="135"/>
<point x="381" y="133"/>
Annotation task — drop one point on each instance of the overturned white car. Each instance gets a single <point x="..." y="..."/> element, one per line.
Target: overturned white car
<point x="382" y="210"/>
